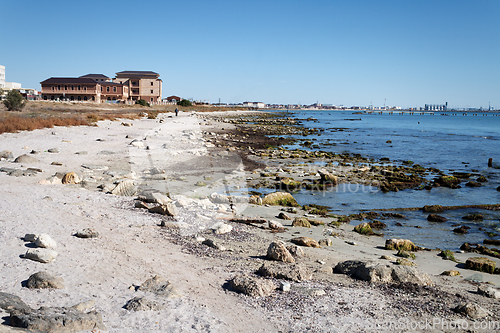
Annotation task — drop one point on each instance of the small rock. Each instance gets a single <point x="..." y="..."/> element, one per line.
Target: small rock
<point x="305" y="241"/>
<point x="285" y="286"/>
<point x="44" y="240"/>
<point x="6" y="154"/>
<point x="222" y="228"/>
<point x="125" y="188"/>
<point x="213" y="244"/>
<point x="142" y="304"/>
<point x="283" y="216"/>
<point x="159" y="286"/>
<point x="386" y="257"/>
<point x="53" y="150"/>
<point x="169" y="209"/>
<point x="30" y="238"/>
<point x="436" y="218"/>
<point x="295" y="272"/>
<point x="301" y="222"/>
<point x="41" y="255"/>
<point x="278" y="251"/>
<point x="87" y="233"/>
<point x="70" y="178"/>
<point x="325" y="242"/>
<point x="451" y="273"/>
<point x="44" y="280"/>
<point x="26" y="159"/>
<point x="275" y="225"/>
<point x="252" y="286"/>
<point x="400" y="244"/>
<point x="488" y="291"/>
<point x="471" y="310"/>
<point x="295" y="251"/>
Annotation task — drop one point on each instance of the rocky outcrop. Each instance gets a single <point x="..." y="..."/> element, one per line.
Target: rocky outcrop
<point x="252" y="286"/>
<point x="377" y="271"/>
<point x="278" y="251"/>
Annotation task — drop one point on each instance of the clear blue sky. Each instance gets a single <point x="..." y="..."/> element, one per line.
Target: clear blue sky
<point x="293" y="51"/>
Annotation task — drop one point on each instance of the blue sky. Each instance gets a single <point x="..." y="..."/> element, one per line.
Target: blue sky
<point x="338" y="52"/>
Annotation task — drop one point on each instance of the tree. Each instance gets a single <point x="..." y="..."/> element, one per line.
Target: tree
<point x="184" y="102"/>
<point x="142" y="102"/>
<point x="14" y="101"/>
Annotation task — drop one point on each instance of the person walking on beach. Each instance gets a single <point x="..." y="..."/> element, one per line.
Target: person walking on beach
<point x="176" y="111"/>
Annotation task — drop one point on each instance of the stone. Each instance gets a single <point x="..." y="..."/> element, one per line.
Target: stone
<point x="471" y="310"/>
<point x="481" y="264"/>
<point x="305" y="241"/>
<point x="462" y="230"/>
<point x="278" y="251"/>
<point x="125" y="188"/>
<point x="279" y="199"/>
<point x="252" y="286"/>
<point x="70" y="178"/>
<point x="275" y="225"/>
<point x="488" y="291"/>
<point x="386" y="257"/>
<point x="405" y="254"/>
<point x="325" y="242"/>
<point x="285" y="286"/>
<point x="283" y="216"/>
<point x="405" y="262"/>
<point x="142" y="304"/>
<point x="159" y="286"/>
<point x="137" y="143"/>
<point x="44" y="240"/>
<point x="222" y="228"/>
<point x="30" y="238"/>
<point x="84" y="306"/>
<point x="169" y="209"/>
<point x="87" y="233"/>
<point x="436" y="218"/>
<point x="255" y="200"/>
<point x="400" y="244"/>
<point x="473" y="184"/>
<point x="41" y="255"/>
<point x="295" y="272"/>
<point x="10" y="302"/>
<point x="56" y="319"/>
<point x="327" y="177"/>
<point x="43" y="280"/>
<point x="155" y="197"/>
<point x="433" y="209"/>
<point x="301" y="222"/>
<point x="364" y="229"/>
<point x="213" y="244"/>
<point x="377" y="271"/>
<point x="315" y="222"/>
<point x="6" y="154"/>
<point x="53" y="150"/>
<point x="451" y="273"/>
<point x="26" y="159"/>
<point x="295" y="251"/>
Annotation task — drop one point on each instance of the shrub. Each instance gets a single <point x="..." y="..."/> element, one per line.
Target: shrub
<point x="14" y="101"/>
<point x="142" y="102"/>
<point x="184" y="102"/>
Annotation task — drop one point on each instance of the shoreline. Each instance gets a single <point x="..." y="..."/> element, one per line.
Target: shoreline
<point x="171" y="155"/>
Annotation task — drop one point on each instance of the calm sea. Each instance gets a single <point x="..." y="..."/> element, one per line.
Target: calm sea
<point x="446" y="140"/>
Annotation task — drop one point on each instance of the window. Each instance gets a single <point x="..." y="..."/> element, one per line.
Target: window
<point x="84" y="98"/>
<point x="53" y="88"/>
<point x="107" y="89"/>
<point x="52" y="97"/>
<point x="79" y="98"/>
<point x="151" y="99"/>
<point x="85" y="88"/>
<point x="58" y="87"/>
<point x="93" y="98"/>
<point x="101" y="88"/>
<point x="114" y="89"/>
<point x="72" y="87"/>
<point x="78" y="87"/>
<point x="65" y="87"/>
<point x="72" y="98"/>
<point x="151" y="83"/>
<point x="151" y="91"/>
<point x="45" y="98"/>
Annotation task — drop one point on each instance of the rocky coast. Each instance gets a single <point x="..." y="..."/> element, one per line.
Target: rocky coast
<point x="189" y="224"/>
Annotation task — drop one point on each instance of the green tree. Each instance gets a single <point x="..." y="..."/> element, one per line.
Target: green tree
<point x="184" y="102"/>
<point x="142" y="102"/>
<point x="14" y="101"/>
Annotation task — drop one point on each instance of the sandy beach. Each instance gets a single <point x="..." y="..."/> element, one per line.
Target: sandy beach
<point x="179" y="158"/>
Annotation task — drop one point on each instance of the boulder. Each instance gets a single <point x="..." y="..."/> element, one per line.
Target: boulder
<point x="377" y="271"/>
<point x="295" y="251"/>
<point x="155" y="197"/>
<point x="26" y="159"/>
<point x="436" y="218"/>
<point x="325" y="242"/>
<point x="278" y="251"/>
<point x="305" y="241"/>
<point x="275" y="225"/>
<point x="481" y="264"/>
<point x="222" y="228"/>
<point x="471" y="310"/>
<point x="327" y="177"/>
<point x="169" y="209"/>
<point x="142" y="304"/>
<point x="159" y="286"/>
<point x="125" y="188"/>
<point x="41" y="255"/>
<point x="364" y="229"/>
<point x="252" y="286"/>
<point x="279" y="199"/>
<point x="295" y="272"/>
<point x="87" y="233"/>
<point x="400" y="244"/>
<point x="44" y="240"/>
<point x="301" y="222"/>
<point x="70" y="178"/>
<point x="488" y="291"/>
<point x="43" y="280"/>
<point x="283" y="216"/>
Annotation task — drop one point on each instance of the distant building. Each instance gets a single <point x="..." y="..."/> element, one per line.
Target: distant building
<point x="173" y="99"/>
<point x="2" y="76"/>
<point x="144" y="85"/>
<point x="436" y="107"/>
<point x="258" y="105"/>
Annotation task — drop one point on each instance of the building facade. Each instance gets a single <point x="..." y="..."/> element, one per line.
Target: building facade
<point x="127" y="86"/>
<point x="2" y="76"/>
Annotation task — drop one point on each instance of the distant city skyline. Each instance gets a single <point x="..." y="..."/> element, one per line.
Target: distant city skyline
<point x="386" y="52"/>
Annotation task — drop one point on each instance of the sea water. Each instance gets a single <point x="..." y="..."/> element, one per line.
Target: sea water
<point x="449" y="141"/>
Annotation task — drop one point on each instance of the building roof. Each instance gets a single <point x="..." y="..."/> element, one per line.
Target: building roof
<point x="173" y="97"/>
<point x="100" y="76"/>
<point x="137" y="73"/>
<point x="68" y="80"/>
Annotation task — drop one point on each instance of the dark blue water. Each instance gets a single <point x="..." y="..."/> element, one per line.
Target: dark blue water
<point x="445" y="141"/>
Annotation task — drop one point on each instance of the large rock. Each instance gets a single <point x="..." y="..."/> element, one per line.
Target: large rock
<point x="142" y="304"/>
<point x="26" y="159"/>
<point x="436" y="218"/>
<point x="125" y="188"/>
<point x="377" y="271"/>
<point x="159" y="286"/>
<point x="275" y="225"/>
<point x="169" y="209"/>
<point x="155" y="197"/>
<point x="305" y="241"/>
<point x="10" y="302"/>
<point x="252" y="286"/>
<point x="41" y="255"/>
<point x="296" y="272"/>
<point x="71" y="178"/>
<point x="364" y="229"/>
<point x="44" y="240"/>
<point x="488" y="291"/>
<point x="279" y="199"/>
<point x="400" y="244"/>
<point x="295" y="251"/>
<point x="42" y="280"/>
<point x="471" y="310"/>
<point x="301" y="222"/>
<point x="278" y="251"/>
<point x="481" y="264"/>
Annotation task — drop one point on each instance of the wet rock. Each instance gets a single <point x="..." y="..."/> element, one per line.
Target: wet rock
<point x="436" y="218"/>
<point x="461" y="230"/>
<point x="400" y="244"/>
<point x="473" y="217"/>
<point x="448" y="181"/>
<point x="169" y="209"/>
<point x="142" y="304"/>
<point x="278" y="251"/>
<point x="70" y="178"/>
<point x="376" y="271"/>
<point x="26" y="159"/>
<point x="279" y="199"/>
<point x="451" y="273"/>
<point x="325" y="242"/>
<point x="295" y="272"/>
<point x="252" y="286"/>
<point x="433" y="209"/>
<point x="488" y="291"/>
<point x="43" y="280"/>
<point x="87" y="233"/>
<point x="283" y="216"/>
<point x="473" y="184"/>
<point x="481" y="264"/>
<point x="305" y="241"/>
<point x="301" y="222"/>
<point x="471" y="310"/>
<point x="44" y="240"/>
<point x="41" y="255"/>
<point x="492" y="241"/>
<point x="482" y="179"/>
<point x="364" y="229"/>
<point x="159" y="286"/>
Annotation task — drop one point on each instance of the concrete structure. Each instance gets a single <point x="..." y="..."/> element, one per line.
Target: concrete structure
<point x="258" y="105"/>
<point x="144" y="85"/>
<point x="12" y="85"/>
<point x="2" y="76"/>
<point x="436" y="107"/>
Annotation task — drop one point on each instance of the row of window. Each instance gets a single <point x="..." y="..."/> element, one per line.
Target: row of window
<point x="72" y="87"/>
<point x="71" y="98"/>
